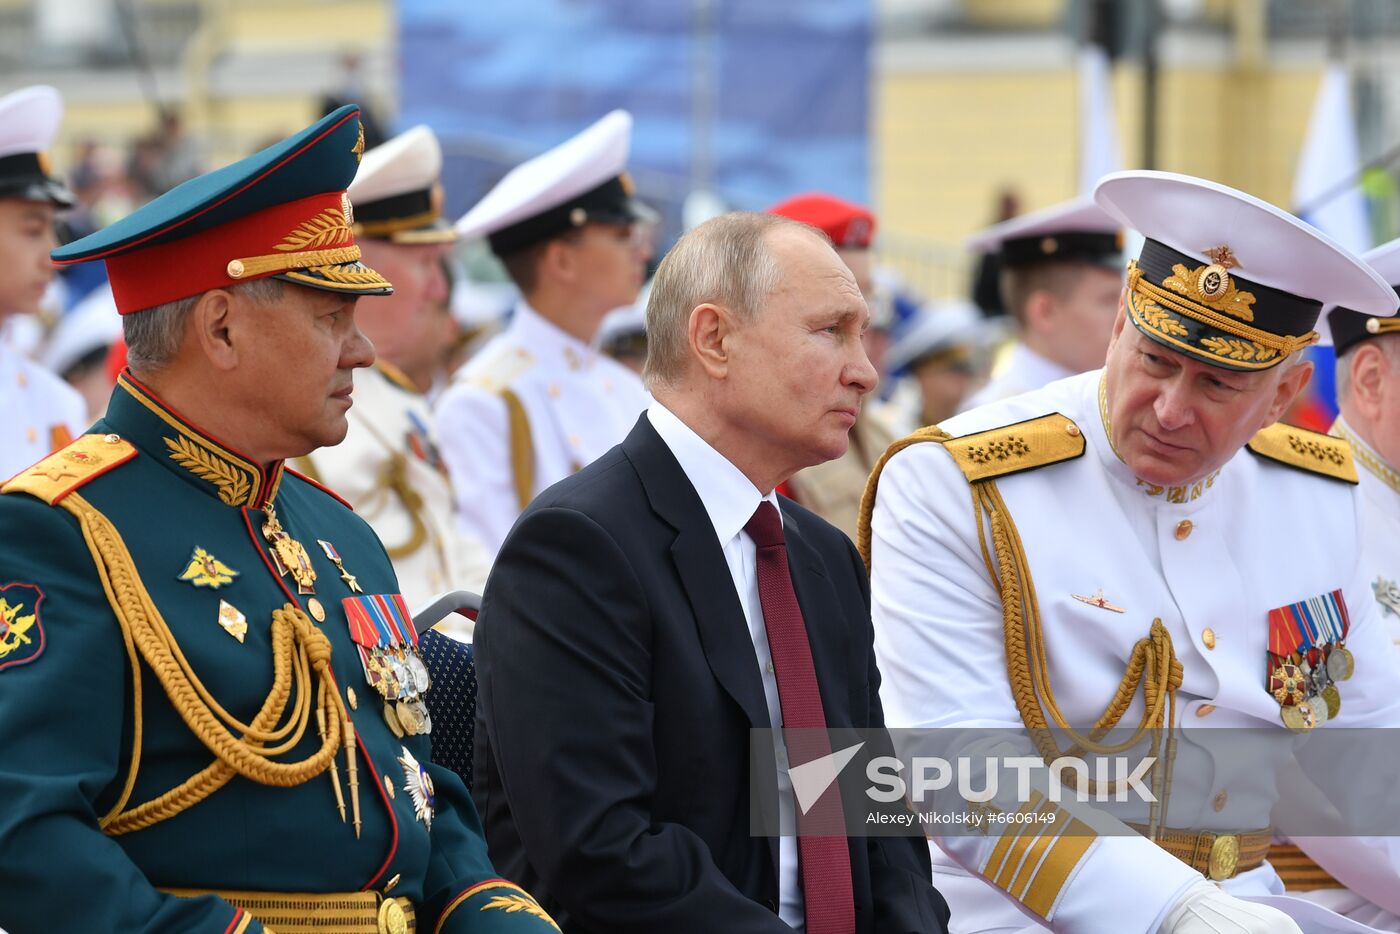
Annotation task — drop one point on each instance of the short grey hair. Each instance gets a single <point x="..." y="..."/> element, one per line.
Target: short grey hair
<point x="153" y="335"/>
<point x="725" y="261"/>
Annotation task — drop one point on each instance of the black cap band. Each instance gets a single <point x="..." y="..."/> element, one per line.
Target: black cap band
<point x="1272" y="310"/>
<point x="609" y="203"/>
<point x="22" y="175"/>
<point x="1350" y="327"/>
<point x="1105" y="249"/>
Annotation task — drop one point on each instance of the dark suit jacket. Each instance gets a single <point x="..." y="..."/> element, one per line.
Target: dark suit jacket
<point x="618" y="688"/>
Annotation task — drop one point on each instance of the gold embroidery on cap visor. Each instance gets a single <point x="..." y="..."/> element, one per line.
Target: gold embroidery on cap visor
<point x="1180" y="314"/>
<point x="321" y="251"/>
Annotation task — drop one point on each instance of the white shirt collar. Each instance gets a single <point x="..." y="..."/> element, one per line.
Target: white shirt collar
<point x="729" y="496"/>
<point x="539" y="333"/>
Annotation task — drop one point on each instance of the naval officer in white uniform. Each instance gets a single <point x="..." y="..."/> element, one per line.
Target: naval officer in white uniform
<point x="1061" y="272"/>
<point x="39" y="412"/>
<point x="1137" y="543"/>
<point x="539" y="401"/>
<point x="1333" y="871"/>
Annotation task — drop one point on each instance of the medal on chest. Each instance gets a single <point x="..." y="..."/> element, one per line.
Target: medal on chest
<point x="1307" y="658"/>
<point x="383" y="633"/>
<point x="289" y="555"/>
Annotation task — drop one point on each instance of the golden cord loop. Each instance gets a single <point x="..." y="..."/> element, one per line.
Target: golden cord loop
<point x="1153" y="665"/>
<point x="393" y="479"/>
<point x="872" y="483"/>
<point x="298" y="648"/>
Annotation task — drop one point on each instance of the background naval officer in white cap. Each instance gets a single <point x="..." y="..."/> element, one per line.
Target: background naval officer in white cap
<point x="1127" y="562"/>
<point x="389" y="466"/>
<point x="539" y="402"/>
<point x="1061" y="272"/>
<point x="943" y="351"/>
<point x="39" y="413"/>
<point x="1368" y="400"/>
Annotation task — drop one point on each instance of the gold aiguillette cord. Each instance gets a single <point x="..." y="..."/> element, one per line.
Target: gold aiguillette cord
<point x="335" y="771"/>
<point x="354" y="771"/>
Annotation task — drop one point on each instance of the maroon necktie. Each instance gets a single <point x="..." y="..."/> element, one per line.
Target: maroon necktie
<point x="823" y="861"/>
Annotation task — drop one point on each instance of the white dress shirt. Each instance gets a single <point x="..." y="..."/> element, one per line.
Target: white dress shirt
<point x="730" y="500"/>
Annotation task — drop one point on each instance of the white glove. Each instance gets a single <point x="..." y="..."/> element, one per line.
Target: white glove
<point x="1204" y="909"/>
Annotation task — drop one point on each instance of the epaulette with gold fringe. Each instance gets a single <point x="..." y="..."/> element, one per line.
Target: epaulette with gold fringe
<point x="1306" y="450"/>
<point x="68" y="468"/>
<point x="997" y="452"/>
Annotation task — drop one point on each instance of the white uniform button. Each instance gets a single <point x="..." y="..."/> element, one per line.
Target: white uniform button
<point x="1205" y="710"/>
<point x="1183" y="529"/>
<point x="1219" y="801"/>
<point x="1208" y="638"/>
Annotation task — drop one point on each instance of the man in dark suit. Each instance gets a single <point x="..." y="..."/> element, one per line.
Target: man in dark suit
<point x="648" y="612"/>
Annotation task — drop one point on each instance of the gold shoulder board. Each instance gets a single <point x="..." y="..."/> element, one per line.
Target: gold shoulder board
<point x="501" y="369"/>
<point x="1010" y="449"/>
<point x="1306" y="450"/>
<point x="70" y="467"/>
<point x="981" y="456"/>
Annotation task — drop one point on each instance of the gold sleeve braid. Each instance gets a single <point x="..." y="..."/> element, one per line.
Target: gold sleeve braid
<point x="299" y="649"/>
<point x="1153" y="665"/>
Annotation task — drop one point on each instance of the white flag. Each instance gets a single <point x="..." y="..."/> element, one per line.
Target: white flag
<point x="1326" y="188"/>
<point x="1098" y="129"/>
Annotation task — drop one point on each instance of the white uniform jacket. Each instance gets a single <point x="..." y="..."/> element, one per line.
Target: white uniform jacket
<point x="39" y="413"/>
<point x="534" y="406"/>
<point x="388" y="468"/>
<point x="1380" y="527"/>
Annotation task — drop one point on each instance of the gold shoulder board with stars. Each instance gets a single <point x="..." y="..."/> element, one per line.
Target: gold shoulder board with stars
<point x="1306" y="450"/>
<point x="65" y="470"/>
<point x="985" y="455"/>
<point x="1010" y="449"/>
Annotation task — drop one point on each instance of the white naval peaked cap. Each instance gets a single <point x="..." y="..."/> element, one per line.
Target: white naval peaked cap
<point x="29" y="120"/>
<point x="1072" y="230"/>
<point x="1343" y="326"/>
<point x="582" y="179"/>
<point x="622" y="322"/>
<point x="1228" y="278"/>
<point x="397" y="190"/>
<point x="938" y="327"/>
<point x="91" y="324"/>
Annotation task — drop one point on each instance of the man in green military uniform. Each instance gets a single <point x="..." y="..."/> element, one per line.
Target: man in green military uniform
<point x="211" y="703"/>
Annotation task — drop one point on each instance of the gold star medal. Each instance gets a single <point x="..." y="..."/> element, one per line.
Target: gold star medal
<point x="205" y="570"/>
<point x="331" y="553"/>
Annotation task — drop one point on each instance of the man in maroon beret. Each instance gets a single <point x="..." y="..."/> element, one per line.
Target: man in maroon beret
<point x="833" y="489"/>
